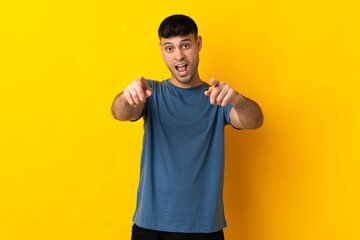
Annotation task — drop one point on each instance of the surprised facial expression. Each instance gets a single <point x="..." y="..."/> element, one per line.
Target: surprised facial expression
<point x="181" y="56"/>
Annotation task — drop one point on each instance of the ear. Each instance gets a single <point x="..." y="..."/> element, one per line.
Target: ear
<point x="160" y="48"/>
<point x="199" y="42"/>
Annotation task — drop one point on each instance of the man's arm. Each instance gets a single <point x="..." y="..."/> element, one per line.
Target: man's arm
<point x="129" y="104"/>
<point x="245" y="114"/>
<point x="123" y="111"/>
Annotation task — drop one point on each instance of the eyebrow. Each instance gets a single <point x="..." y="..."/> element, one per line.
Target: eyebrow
<point x="187" y="39"/>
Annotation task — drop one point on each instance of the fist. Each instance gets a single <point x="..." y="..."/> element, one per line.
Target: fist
<point x="221" y="93"/>
<point x="137" y="92"/>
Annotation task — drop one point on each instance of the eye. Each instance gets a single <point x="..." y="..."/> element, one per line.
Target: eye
<point x="168" y="49"/>
<point x="186" y="45"/>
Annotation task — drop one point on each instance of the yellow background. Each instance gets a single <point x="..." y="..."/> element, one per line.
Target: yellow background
<point x="68" y="170"/>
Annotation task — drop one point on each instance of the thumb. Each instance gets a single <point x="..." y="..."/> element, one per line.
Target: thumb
<point x="148" y="92"/>
<point x="214" y="82"/>
<point x="209" y="91"/>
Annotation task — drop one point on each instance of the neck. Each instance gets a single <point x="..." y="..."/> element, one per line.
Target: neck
<point x="194" y="81"/>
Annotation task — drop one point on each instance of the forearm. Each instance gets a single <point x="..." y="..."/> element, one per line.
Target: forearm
<point x="248" y="112"/>
<point x="123" y="111"/>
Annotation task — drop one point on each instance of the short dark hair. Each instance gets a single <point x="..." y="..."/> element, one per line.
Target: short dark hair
<point x="177" y="25"/>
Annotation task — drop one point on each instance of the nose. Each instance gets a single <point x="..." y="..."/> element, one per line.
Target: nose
<point x="179" y="55"/>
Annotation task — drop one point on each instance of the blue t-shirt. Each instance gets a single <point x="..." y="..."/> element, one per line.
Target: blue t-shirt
<point x="182" y="162"/>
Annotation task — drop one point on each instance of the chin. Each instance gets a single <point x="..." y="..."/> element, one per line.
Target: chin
<point x="182" y="80"/>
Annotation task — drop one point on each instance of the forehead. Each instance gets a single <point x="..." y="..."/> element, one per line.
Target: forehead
<point x="178" y="39"/>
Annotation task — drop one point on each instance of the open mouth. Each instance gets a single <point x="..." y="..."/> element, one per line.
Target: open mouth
<point x="182" y="69"/>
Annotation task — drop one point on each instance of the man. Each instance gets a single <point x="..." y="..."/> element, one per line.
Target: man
<point x="180" y="192"/>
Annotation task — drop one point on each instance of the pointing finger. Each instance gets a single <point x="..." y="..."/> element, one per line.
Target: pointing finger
<point x="144" y="86"/>
<point x="142" y="82"/>
<point x="214" y="82"/>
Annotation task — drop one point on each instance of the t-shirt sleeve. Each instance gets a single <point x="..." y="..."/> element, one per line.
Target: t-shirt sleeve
<point x="144" y="111"/>
<point x="227" y="110"/>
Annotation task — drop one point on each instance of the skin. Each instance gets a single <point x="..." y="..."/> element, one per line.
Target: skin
<point x="245" y="113"/>
<point x="182" y="49"/>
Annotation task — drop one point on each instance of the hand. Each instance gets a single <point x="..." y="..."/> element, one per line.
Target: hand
<point x="221" y="93"/>
<point x="137" y="92"/>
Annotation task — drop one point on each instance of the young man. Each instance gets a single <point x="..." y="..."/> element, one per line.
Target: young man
<point x="180" y="193"/>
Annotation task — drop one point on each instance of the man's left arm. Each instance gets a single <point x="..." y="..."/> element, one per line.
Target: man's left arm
<point x="245" y="113"/>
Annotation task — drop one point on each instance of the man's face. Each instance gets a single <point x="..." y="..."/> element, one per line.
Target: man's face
<point x="181" y="56"/>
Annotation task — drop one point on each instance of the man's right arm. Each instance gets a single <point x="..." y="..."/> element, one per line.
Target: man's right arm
<point x="129" y="104"/>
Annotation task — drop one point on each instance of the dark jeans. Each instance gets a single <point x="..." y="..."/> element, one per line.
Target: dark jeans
<point x="139" y="233"/>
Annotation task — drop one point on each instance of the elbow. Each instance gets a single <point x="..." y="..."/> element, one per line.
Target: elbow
<point x="259" y="122"/>
<point x="117" y="116"/>
<point x="260" y="118"/>
<point x="113" y="113"/>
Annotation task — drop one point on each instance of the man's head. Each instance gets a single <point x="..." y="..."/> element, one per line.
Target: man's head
<point x="177" y="25"/>
<point x="180" y="46"/>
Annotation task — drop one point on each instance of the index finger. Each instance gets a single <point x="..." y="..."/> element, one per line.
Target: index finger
<point x="214" y="82"/>
<point x="142" y="82"/>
